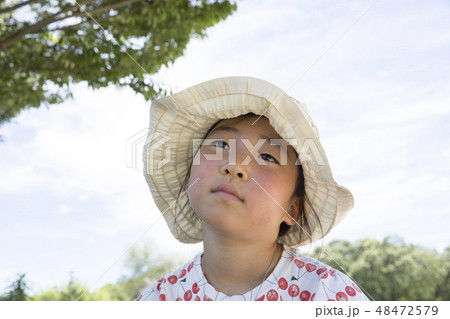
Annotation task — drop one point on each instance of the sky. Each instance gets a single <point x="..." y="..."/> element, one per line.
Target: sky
<point x="375" y="76"/>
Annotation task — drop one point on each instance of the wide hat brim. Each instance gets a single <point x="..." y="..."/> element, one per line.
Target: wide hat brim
<point x="177" y="120"/>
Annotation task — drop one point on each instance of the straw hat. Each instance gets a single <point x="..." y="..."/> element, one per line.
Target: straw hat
<point x="177" y="120"/>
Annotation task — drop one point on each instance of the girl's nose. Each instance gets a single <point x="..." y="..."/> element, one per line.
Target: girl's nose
<point x="237" y="171"/>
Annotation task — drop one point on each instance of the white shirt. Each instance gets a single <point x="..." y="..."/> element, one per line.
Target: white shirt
<point x="296" y="277"/>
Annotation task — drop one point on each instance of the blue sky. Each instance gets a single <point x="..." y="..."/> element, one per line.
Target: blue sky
<point x="377" y="86"/>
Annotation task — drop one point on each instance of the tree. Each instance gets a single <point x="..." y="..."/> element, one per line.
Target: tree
<point x="142" y="268"/>
<point x="142" y="271"/>
<point x="442" y="291"/>
<point x="17" y="290"/>
<point x="390" y="270"/>
<point x="72" y="291"/>
<point x="46" y="45"/>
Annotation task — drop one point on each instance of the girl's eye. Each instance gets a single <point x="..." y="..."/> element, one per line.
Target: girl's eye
<point x="221" y="144"/>
<point x="268" y="157"/>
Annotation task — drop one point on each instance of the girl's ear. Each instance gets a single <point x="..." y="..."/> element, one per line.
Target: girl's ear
<point x="294" y="210"/>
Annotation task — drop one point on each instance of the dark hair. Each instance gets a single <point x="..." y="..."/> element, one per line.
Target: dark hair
<point x="299" y="191"/>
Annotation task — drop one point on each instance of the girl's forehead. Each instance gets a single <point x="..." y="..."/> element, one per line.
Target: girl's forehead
<point x="248" y="123"/>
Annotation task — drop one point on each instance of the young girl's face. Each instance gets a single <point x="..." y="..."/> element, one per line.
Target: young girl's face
<point x="244" y="186"/>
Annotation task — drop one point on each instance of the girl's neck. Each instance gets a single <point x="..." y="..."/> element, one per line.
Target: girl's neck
<point x="235" y="268"/>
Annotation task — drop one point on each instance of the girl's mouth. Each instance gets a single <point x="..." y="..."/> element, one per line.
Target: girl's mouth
<point x="229" y="196"/>
<point x="227" y="191"/>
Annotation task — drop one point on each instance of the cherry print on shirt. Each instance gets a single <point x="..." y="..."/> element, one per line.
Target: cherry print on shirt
<point x="293" y="290"/>
<point x="179" y="299"/>
<point x="310" y="267"/>
<point x="260" y="298"/>
<point x="305" y="295"/>
<point x="282" y="283"/>
<point x="350" y="291"/>
<point x="158" y="287"/>
<point x="206" y="298"/>
<point x="324" y="276"/>
<point x="341" y="296"/>
<point x="197" y="298"/>
<point x="356" y="287"/>
<point x="312" y="298"/>
<point x="172" y="279"/>
<point x="162" y="297"/>
<point x="188" y="295"/>
<point x="331" y="300"/>
<point x="182" y="274"/>
<point x="195" y="288"/>
<point x="321" y="270"/>
<point x="140" y="296"/>
<point x="299" y="263"/>
<point x="272" y="295"/>
<point x="190" y="266"/>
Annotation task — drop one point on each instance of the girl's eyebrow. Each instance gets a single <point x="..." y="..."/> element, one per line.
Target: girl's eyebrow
<point x="236" y="131"/>
<point x="227" y="129"/>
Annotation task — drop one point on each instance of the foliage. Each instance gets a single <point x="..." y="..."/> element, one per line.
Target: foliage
<point x="45" y="45"/>
<point x="143" y="268"/>
<point x="17" y="290"/>
<point x="72" y="291"/>
<point x="390" y="269"/>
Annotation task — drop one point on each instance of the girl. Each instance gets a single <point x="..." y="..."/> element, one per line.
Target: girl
<point x="236" y="163"/>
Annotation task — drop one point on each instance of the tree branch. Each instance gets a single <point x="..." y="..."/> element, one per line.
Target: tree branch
<point x="6" y="43"/>
<point x="17" y="6"/>
<point x="97" y="19"/>
<point x="73" y="26"/>
<point x="100" y="9"/>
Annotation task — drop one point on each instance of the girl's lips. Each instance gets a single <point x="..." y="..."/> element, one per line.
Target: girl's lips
<point x="228" y="196"/>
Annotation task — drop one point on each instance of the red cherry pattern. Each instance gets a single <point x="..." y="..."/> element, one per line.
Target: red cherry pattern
<point x="341" y="296"/>
<point x="197" y="298"/>
<point x="195" y="288"/>
<point x="272" y="295"/>
<point x="293" y="290"/>
<point x="350" y="291"/>
<point x="282" y="283"/>
<point x="320" y="270"/>
<point x="305" y="295"/>
<point x="356" y="287"/>
<point x="162" y="297"/>
<point x="190" y="266"/>
<point x="260" y="298"/>
<point x="182" y="274"/>
<point x="179" y="299"/>
<point x="188" y="295"/>
<point x="310" y="267"/>
<point x="206" y="298"/>
<point x="299" y="263"/>
<point x="172" y="279"/>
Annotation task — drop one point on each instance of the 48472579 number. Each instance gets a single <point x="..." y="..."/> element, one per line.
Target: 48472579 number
<point x="407" y="310"/>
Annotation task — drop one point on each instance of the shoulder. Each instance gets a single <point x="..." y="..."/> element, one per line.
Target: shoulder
<point x="165" y="288"/>
<point x="318" y="281"/>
